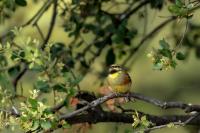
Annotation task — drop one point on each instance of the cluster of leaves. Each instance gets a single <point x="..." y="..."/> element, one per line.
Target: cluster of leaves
<point x="53" y="74"/>
<point x="51" y="64"/>
<point x="5" y="104"/>
<point x="140" y="122"/>
<point x="7" y="7"/>
<point x="88" y="17"/>
<point x="182" y="9"/>
<point x="35" y="115"/>
<point x="164" y="57"/>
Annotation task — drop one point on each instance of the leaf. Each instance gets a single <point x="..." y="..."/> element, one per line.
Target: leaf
<point x="180" y="56"/>
<point x="173" y="64"/>
<point x="170" y="125"/>
<point x="163" y="44"/>
<point x="174" y="9"/>
<point x="60" y="88"/>
<point x="33" y="103"/>
<point x="13" y="71"/>
<point x="43" y="86"/>
<point x="65" y="124"/>
<point x="157" y="3"/>
<point x="166" y="53"/>
<point x="21" y="2"/>
<point x="179" y="3"/>
<point x="46" y="125"/>
<point x="57" y="49"/>
<point x="71" y="91"/>
<point x="76" y="81"/>
<point x="110" y="57"/>
<point x="117" y="38"/>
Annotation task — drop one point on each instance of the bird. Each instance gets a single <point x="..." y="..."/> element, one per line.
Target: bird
<point x="118" y="79"/>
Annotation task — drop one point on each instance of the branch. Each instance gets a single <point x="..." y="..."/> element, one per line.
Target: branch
<point x="34" y="19"/>
<point x="179" y="123"/>
<point x="156" y="102"/>
<point x="18" y="77"/>
<point x="148" y="36"/>
<point x="128" y="118"/>
<point x="39" y="13"/>
<point x="128" y="13"/>
<point x="152" y="33"/>
<point x="52" y="23"/>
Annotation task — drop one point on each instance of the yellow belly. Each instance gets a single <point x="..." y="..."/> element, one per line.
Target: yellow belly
<point x="121" y="88"/>
<point x="116" y="82"/>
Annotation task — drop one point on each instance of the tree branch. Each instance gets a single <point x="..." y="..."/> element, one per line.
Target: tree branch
<point x="148" y="36"/>
<point x="128" y="118"/>
<point x="156" y="102"/>
<point x="52" y="23"/>
<point x="18" y="77"/>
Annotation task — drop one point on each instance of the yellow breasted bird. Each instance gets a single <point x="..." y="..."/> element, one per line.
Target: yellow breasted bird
<point x="118" y="79"/>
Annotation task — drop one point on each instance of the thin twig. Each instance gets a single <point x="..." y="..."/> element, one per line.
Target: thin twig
<point x="38" y="14"/>
<point x="52" y="23"/>
<point x="148" y="36"/>
<point x="129" y="13"/>
<point x="182" y="37"/>
<point x="39" y="31"/>
<point x="179" y="123"/>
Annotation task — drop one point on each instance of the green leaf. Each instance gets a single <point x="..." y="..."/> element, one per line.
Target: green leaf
<point x="46" y="125"/>
<point x="33" y="103"/>
<point x="180" y="56"/>
<point x="166" y="53"/>
<point x="56" y="50"/>
<point x="17" y="55"/>
<point x="21" y="2"/>
<point x="173" y="64"/>
<point x="158" y="4"/>
<point x="170" y="125"/>
<point x="13" y="71"/>
<point x="179" y="3"/>
<point x="174" y="9"/>
<point x="60" y="88"/>
<point x="163" y="44"/>
<point x="42" y="86"/>
<point x="117" y="38"/>
<point x="71" y="91"/>
<point x="65" y="125"/>
<point x="76" y="81"/>
<point x="110" y="57"/>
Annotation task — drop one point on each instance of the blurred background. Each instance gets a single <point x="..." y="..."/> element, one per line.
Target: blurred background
<point x="179" y="84"/>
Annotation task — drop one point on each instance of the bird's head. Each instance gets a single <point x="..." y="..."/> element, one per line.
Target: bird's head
<point x="115" y="68"/>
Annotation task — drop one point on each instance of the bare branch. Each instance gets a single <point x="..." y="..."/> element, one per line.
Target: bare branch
<point x="156" y="102"/>
<point x="52" y="23"/>
<point x="18" y="77"/>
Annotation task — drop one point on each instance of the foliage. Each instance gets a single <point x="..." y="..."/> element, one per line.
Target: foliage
<point x="51" y="65"/>
<point x="140" y="122"/>
<point x="164" y="57"/>
<point x="8" y="7"/>
<point x="35" y="115"/>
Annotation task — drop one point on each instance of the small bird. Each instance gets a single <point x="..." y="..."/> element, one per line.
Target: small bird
<point x="118" y="79"/>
